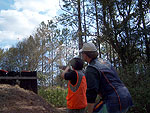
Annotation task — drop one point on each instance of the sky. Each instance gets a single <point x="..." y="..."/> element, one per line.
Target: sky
<point x="20" y="18"/>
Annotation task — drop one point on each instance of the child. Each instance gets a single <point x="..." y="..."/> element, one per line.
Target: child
<point x="76" y="98"/>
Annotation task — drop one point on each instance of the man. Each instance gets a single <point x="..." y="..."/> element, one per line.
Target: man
<point x="76" y="98"/>
<point x="102" y="79"/>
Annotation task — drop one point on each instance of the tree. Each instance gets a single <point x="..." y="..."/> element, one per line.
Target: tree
<point x="1" y="55"/>
<point x="120" y="28"/>
<point x="9" y="60"/>
<point x="143" y="9"/>
<point x="79" y="26"/>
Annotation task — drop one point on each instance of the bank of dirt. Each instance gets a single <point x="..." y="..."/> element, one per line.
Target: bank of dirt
<point x="14" y="99"/>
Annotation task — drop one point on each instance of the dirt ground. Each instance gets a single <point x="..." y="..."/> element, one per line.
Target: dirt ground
<point x="14" y="99"/>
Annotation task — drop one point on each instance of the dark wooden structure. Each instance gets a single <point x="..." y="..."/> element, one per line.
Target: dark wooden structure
<point x="26" y="80"/>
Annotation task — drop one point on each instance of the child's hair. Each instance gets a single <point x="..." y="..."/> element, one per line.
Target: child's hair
<point x="77" y="63"/>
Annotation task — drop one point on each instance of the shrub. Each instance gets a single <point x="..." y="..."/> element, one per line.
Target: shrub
<point x="137" y="79"/>
<point x="55" y="96"/>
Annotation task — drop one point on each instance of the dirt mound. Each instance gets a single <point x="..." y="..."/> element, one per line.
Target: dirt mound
<point x="14" y="99"/>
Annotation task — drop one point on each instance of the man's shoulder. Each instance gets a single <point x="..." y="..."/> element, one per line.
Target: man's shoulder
<point x="90" y="67"/>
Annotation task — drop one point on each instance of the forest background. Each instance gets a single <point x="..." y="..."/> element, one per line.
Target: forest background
<point x="120" y="29"/>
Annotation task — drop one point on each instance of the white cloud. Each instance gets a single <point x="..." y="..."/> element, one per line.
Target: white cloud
<point x="10" y="36"/>
<point x="25" y="17"/>
<point x="37" y="5"/>
<point x="6" y="47"/>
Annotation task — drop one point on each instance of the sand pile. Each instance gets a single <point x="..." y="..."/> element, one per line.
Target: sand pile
<point x="14" y="99"/>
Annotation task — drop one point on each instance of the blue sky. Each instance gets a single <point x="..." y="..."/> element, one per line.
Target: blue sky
<point x="20" y="18"/>
<point x="6" y="4"/>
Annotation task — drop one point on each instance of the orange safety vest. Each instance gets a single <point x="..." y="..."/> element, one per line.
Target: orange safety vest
<point x="76" y="98"/>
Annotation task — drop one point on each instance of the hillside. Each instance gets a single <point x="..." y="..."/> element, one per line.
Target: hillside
<point x="14" y="99"/>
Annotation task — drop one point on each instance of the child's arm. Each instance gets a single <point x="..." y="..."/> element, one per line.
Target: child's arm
<point x="63" y="73"/>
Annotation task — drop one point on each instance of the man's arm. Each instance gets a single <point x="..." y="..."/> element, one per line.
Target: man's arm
<point x="93" y="79"/>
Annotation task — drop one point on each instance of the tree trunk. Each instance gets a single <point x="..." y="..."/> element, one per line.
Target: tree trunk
<point x="84" y="22"/>
<point x="146" y="40"/>
<point x="79" y="27"/>
<point x="98" y="36"/>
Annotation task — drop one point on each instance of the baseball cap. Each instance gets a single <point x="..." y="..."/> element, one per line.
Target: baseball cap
<point x="88" y="47"/>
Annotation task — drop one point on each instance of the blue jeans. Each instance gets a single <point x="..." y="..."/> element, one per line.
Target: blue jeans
<point x="103" y="109"/>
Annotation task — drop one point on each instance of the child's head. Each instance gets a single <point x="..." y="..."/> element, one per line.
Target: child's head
<point x="77" y="63"/>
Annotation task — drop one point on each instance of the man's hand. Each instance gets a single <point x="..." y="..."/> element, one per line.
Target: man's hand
<point x="90" y="107"/>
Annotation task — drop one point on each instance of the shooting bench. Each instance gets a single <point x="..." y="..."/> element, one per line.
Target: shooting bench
<point x="26" y="80"/>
